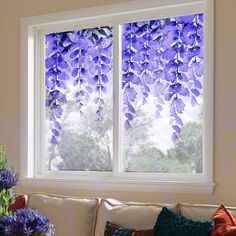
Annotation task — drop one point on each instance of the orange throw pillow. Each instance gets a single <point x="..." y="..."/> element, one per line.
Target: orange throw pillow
<point x="19" y="203"/>
<point x="224" y="223"/>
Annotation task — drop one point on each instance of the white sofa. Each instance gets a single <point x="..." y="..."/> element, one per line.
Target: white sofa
<point x="87" y="216"/>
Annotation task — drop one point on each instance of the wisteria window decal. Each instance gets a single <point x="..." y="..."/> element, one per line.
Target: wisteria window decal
<point x="162" y="68"/>
<point x="164" y="58"/>
<point x="162" y="96"/>
<point x="80" y="61"/>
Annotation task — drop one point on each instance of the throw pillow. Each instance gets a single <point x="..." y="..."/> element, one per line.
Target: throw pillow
<point x="115" y="230"/>
<point x="20" y="202"/>
<point x="149" y="232"/>
<point x="169" y="224"/>
<point x="225" y="223"/>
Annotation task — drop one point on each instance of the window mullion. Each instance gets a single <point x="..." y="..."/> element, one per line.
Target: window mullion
<point x="117" y="101"/>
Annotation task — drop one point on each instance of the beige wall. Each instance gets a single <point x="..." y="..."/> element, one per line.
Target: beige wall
<point x="225" y="95"/>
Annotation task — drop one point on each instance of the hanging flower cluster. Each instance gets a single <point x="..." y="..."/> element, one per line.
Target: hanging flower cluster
<point x="83" y="56"/>
<point x="163" y="58"/>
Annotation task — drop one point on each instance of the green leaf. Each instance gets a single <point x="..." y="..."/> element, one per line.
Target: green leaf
<point x="3" y="158"/>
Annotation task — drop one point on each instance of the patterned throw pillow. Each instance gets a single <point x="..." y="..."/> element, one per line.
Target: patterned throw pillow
<point x="169" y="224"/>
<point x="115" y="230"/>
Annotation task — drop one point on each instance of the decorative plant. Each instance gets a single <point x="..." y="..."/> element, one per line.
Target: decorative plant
<point x="8" y="179"/>
<point x="28" y="222"/>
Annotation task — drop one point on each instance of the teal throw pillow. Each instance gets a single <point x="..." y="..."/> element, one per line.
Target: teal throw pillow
<point x="169" y="224"/>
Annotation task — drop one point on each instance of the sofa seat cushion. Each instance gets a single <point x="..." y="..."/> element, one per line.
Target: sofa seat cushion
<point x="201" y="211"/>
<point x="129" y="215"/>
<point x="70" y="215"/>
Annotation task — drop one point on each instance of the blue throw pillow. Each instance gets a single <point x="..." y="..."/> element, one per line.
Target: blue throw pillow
<point x="170" y="224"/>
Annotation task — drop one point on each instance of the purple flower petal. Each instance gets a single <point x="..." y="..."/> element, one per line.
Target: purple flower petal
<point x="75" y="72"/>
<point x="176" y="128"/>
<point x="131" y="93"/>
<point x="127" y="125"/>
<point x="105" y="59"/>
<point x="129" y="116"/>
<point x="53" y="140"/>
<point x="195" y="92"/>
<point x="175" y="137"/>
<point x="104" y="78"/>
<point x="74" y="53"/>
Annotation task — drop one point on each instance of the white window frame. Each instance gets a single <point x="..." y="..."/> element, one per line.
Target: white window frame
<point x="32" y="104"/>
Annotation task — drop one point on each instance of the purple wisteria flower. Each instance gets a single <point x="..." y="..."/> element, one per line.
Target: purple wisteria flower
<point x="8" y="178"/>
<point x="27" y="222"/>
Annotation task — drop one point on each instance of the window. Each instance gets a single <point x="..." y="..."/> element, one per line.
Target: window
<point x="120" y="96"/>
<point x="79" y="102"/>
<point x="162" y="94"/>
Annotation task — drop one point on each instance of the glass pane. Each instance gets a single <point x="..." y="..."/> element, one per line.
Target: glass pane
<point x="162" y="84"/>
<point x="78" y="85"/>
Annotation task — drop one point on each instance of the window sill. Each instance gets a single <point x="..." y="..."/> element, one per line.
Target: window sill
<point x="117" y="184"/>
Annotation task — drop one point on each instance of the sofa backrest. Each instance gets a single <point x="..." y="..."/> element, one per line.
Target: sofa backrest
<point x="71" y="216"/>
<point x="131" y="215"/>
<point x="201" y="211"/>
<point x="75" y="216"/>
